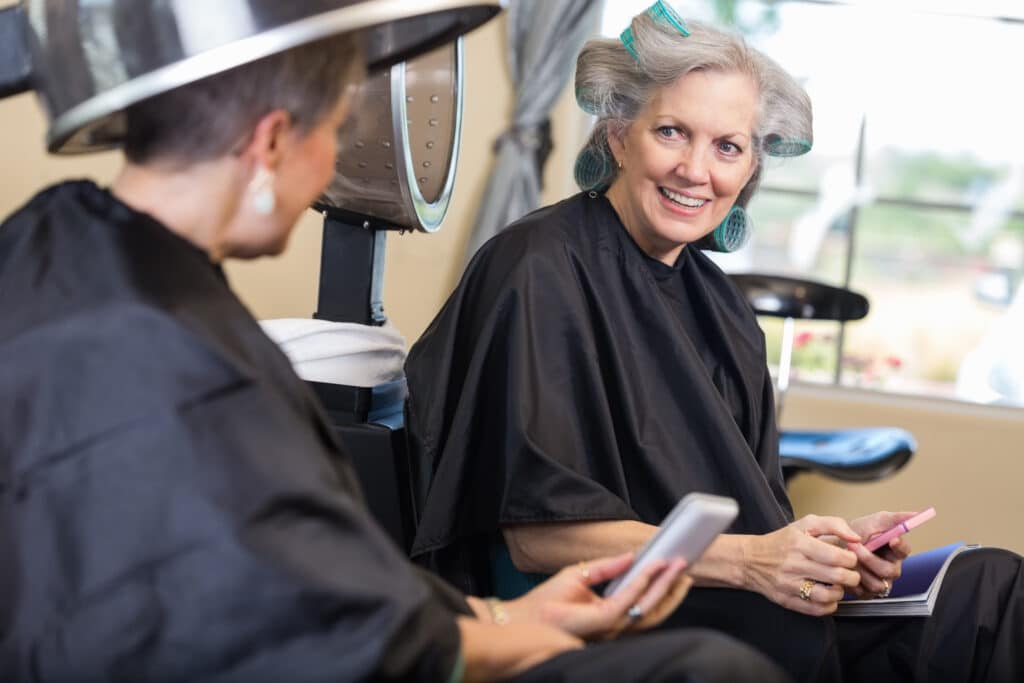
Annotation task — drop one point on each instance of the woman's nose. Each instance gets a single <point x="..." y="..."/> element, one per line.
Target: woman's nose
<point x="693" y="166"/>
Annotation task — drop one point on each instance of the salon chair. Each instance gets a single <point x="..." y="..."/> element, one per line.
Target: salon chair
<point x="394" y="174"/>
<point x="866" y="454"/>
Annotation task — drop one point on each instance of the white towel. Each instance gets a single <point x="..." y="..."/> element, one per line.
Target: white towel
<point x="340" y="353"/>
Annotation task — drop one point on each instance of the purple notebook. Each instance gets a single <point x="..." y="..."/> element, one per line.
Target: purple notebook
<point x="914" y="593"/>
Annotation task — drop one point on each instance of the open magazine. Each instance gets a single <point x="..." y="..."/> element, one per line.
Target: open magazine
<point x="914" y="593"/>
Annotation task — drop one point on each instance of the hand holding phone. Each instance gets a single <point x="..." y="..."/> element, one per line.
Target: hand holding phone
<point x="688" y="530"/>
<point x="898" y="530"/>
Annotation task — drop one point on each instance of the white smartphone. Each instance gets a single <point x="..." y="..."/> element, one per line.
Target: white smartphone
<point x="688" y="530"/>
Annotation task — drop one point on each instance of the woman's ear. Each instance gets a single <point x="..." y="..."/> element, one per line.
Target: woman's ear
<point x="270" y="138"/>
<point x="617" y="141"/>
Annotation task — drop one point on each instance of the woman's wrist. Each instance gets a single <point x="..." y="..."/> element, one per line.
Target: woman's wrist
<point x="491" y="610"/>
<point x="479" y="607"/>
<point x="727" y="563"/>
<point x="497" y="611"/>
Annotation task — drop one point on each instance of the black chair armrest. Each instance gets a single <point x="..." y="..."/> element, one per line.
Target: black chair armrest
<point x="787" y="297"/>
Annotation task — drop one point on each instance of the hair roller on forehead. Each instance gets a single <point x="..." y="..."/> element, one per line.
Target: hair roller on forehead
<point x="615" y="79"/>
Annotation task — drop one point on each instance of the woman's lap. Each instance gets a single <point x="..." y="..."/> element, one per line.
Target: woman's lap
<point x="976" y="632"/>
<point x="806" y="647"/>
<point x="663" y="657"/>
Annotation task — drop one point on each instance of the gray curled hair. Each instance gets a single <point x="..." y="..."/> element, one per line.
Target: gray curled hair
<point x="614" y="86"/>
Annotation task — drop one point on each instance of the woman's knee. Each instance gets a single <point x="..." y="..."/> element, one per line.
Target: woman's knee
<point x="712" y="656"/>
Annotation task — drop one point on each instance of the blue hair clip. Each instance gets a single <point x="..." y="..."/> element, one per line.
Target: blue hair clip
<point x="661" y="12"/>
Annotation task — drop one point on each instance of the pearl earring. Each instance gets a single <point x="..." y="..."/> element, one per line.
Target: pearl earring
<point x="262" y="190"/>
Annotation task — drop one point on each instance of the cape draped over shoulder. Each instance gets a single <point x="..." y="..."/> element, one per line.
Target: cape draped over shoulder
<point x="173" y="506"/>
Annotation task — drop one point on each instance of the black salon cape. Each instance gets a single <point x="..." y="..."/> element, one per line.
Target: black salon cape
<point x="172" y="505"/>
<point x="570" y="377"/>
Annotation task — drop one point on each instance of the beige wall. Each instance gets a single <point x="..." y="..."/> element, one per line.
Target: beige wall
<point x="970" y="463"/>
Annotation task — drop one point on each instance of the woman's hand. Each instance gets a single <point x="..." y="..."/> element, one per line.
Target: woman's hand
<point x="798" y="570"/>
<point x="878" y="570"/>
<point x="567" y="600"/>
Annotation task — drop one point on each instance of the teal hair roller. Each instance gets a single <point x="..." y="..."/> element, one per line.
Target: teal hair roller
<point x="585" y="102"/>
<point x="665" y="13"/>
<point x="592" y="170"/>
<point x="730" y="235"/>
<point x="777" y="146"/>
<point x="627" y="40"/>
<point x="661" y="12"/>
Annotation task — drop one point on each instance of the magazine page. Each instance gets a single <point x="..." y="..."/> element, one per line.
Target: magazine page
<point x="914" y="593"/>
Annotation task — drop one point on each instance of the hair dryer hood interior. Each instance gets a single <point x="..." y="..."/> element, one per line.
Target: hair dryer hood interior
<point x="90" y="59"/>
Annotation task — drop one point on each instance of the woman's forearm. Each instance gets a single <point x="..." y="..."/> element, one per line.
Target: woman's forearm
<point x="546" y="548"/>
<point x="724" y="563"/>
<point x="481" y="661"/>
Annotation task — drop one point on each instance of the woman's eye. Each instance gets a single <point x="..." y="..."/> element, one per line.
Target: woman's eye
<point x="729" y="148"/>
<point x="666" y="131"/>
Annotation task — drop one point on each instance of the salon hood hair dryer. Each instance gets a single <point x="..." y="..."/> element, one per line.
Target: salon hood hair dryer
<point x="90" y="59"/>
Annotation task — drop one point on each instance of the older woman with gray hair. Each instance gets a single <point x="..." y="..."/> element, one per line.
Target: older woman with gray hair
<point x="594" y="366"/>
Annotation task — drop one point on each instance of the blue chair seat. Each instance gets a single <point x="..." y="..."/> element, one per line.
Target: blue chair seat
<point x="509" y="582"/>
<point x="849" y="454"/>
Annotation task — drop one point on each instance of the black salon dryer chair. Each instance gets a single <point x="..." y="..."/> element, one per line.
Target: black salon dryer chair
<point x="866" y="454"/>
<point x="395" y="170"/>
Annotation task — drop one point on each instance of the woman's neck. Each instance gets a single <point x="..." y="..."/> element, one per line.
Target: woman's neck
<point x="197" y="201"/>
<point x="618" y="197"/>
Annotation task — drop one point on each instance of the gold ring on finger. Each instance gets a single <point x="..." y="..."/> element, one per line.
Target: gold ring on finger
<point x="805" y="589"/>
<point x="886" y="589"/>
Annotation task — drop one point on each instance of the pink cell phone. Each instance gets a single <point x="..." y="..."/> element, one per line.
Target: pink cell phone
<point x="900" y="529"/>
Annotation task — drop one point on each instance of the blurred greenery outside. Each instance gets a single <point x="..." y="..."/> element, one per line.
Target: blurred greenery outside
<point x="913" y="263"/>
<point x="912" y="267"/>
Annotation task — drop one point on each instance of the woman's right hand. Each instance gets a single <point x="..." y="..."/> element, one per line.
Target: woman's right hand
<point x="792" y="561"/>
<point x="567" y="599"/>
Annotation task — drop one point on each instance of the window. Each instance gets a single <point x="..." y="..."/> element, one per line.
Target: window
<point x="913" y="194"/>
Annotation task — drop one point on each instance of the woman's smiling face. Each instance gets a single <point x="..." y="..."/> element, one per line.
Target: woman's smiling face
<point x="684" y="160"/>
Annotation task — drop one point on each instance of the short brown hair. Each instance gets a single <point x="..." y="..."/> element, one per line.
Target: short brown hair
<point x="211" y="117"/>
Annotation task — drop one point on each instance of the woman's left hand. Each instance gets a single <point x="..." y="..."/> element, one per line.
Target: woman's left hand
<point x="568" y="601"/>
<point x="880" y="569"/>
